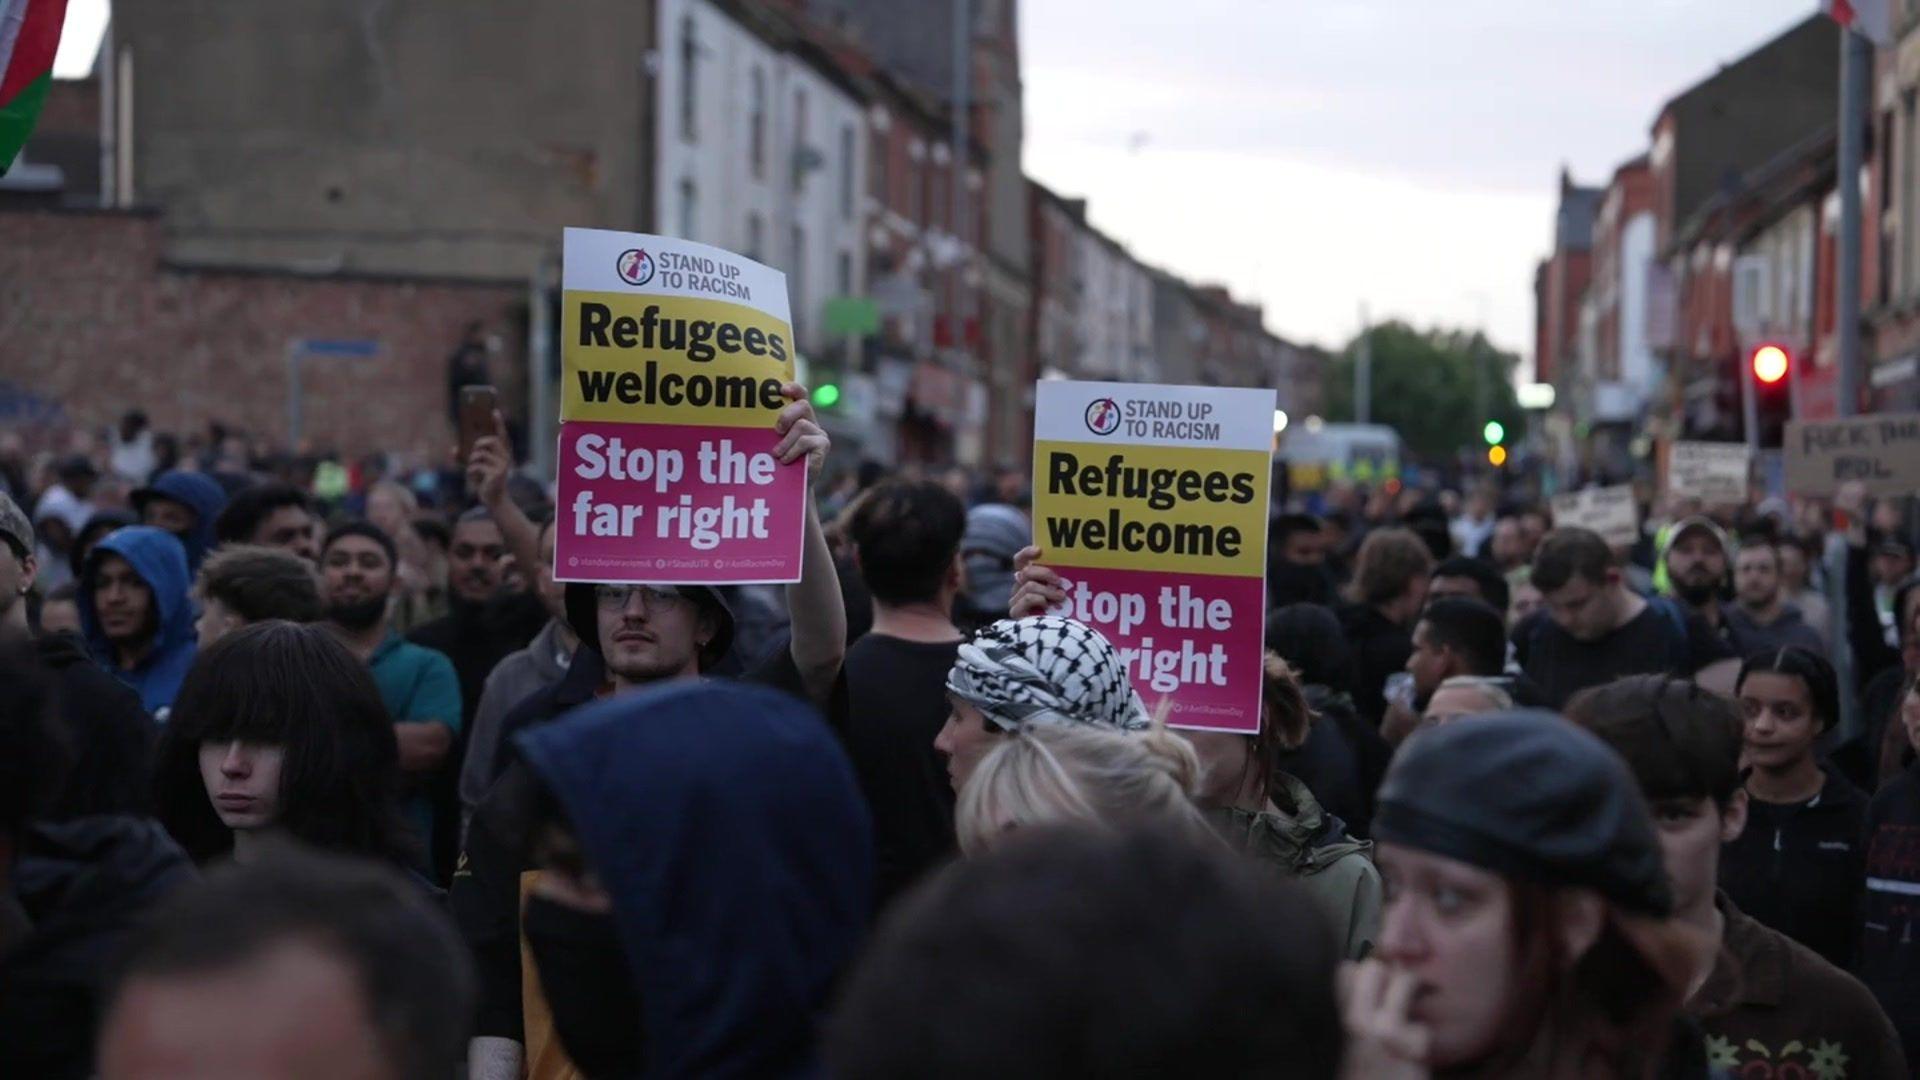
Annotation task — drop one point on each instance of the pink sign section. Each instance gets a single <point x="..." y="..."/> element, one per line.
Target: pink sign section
<point x="1193" y="643"/>
<point x="676" y="504"/>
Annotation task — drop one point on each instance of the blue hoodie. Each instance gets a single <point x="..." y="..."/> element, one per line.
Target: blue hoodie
<point x="198" y="492"/>
<point x="156" y="556"/>
<point x="725" y="822"/>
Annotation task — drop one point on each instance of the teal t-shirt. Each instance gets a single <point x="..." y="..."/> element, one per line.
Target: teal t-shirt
<point x="418" y="685"/>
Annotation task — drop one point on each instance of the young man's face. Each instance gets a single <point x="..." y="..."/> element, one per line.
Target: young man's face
<point x="1430" y="662"/>
<point x="289" y="528"/>
<point x="1793" y="567"/>
<point x="177" y="518"/>
<point x="1696" y="563"/>
<point x="356" y="570"/>
<point x="1756" y="576"/>
<point x="473" y="560"/>
<point x="1691" y="832"/>
<point x="1305" y="548"/>
<point x="650" y="632"/>
<point x="1582" y="607"/>
<point x="122" y="602"/>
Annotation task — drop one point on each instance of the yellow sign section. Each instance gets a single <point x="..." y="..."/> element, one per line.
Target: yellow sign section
<point x="1151" y="507"/>
<point x="671" y="360"/>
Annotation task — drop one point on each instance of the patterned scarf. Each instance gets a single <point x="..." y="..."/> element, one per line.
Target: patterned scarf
<point x="1047" y="669"/>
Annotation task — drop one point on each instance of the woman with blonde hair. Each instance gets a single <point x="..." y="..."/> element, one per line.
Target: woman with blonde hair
<point x="1053" y="773"/>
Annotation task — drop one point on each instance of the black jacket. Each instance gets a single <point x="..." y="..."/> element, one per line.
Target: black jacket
<point x="112" y="735"/>
<point x="1380" y="649"/>
<point x="84" y="885"/>
<point x="1342" y="759"/>
<point x="1890" y="910"/>
<point x="1800" y="869"/>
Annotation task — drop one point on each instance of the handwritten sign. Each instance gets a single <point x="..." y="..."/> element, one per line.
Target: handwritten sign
<point x="1609" y="511"/>
<point x="1882" y="452"/>
<point x="1714" y="473"/>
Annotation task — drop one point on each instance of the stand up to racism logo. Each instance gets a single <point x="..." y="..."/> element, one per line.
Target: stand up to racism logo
<point x="634" y="266"/>
<point x="1103" y="416"/>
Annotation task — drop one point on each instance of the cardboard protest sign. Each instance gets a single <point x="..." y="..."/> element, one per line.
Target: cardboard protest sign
<point x="673" y="354"/>
<point x="1151" y="502"/>
<point x="1714" y="473"/>
<point x="1609" y="511"/>
<point x="1882" y="452"/>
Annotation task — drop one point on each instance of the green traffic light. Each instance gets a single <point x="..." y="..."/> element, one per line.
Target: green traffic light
<point x="1495" y="433"/>
<point x="826" y="397"/>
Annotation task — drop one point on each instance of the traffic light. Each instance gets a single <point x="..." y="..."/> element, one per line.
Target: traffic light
<point x="826" y="395"/>
<point x="1769" y="366"/>
<point x="1496" y="456"/>
<point x="1495" y="433"/>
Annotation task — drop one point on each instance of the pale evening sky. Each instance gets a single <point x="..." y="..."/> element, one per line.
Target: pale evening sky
<point x="1316" y="155"/>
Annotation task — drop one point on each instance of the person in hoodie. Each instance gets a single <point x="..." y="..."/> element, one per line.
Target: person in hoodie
<point x="186" y="504"/>
<point x="1767" y="1003"/>
<point x="1889" y="944"/>
<point x="73" y="887"/>
<point x="1273" y="817"/>
<point x="633" y="637"/>
<point x="705" y="874"/>
<point x="1761" y="619"/>
<point x="1800" y="865"/>
<point x="137" y="612"/>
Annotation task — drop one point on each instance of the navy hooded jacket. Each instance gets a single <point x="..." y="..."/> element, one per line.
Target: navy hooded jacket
<point x="156" y="556"/>
<point x="725" y="822"/>
<point x="198" y="492"/>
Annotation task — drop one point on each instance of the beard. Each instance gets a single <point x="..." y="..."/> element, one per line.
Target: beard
<point x="358" y="614"/>
<point x="1696" y="592"/>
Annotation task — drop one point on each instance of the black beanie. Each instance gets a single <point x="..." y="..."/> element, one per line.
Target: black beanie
<point x="1526" y="794"/>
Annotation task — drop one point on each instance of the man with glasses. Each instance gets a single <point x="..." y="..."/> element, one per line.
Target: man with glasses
<point x="632" y="636"/>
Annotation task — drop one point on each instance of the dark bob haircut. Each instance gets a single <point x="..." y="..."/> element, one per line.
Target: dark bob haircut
<point x="296" y="687"/>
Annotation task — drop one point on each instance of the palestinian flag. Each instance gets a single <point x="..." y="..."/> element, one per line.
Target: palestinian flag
<point x="29" y="36"/>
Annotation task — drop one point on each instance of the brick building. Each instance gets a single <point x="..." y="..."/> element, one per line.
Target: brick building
<point x="1560" y="281"/>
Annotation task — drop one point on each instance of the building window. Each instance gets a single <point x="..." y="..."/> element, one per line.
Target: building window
<point x="846" y="171"/>
<point x="757" y="126"/>
<point x="689" y="208"/>
<point x="756" y="236"/>
<point x="689" y="78"/>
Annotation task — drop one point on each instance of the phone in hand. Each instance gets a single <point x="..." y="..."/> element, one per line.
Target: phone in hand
<point x="477" y="406"/>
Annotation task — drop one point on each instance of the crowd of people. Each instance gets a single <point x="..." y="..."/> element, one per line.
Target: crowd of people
<point x="322" y="773"/>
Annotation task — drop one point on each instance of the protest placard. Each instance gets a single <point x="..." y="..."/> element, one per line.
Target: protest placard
<point x="672" y="355"/>
<point x="1715" y="473"/>
<point x="1151" y="502"/>
<point x="1609" y="511"/>
<point x="1882" y="452"/>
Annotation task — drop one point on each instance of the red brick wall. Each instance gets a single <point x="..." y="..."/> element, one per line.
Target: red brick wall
<point x="90" y="319"/>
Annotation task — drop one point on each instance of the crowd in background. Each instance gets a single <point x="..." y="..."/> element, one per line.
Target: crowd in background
<point x="314" y="769"/>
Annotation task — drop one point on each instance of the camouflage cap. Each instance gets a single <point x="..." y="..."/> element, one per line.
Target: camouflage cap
<point x="15" y="526"/>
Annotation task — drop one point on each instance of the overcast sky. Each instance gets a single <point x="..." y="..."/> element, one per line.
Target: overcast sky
<point x="1320" y="154"/>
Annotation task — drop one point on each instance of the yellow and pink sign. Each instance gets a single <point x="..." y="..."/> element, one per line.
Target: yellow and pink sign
<point x="1151" y="502"/>
<point x="673" y="355"/>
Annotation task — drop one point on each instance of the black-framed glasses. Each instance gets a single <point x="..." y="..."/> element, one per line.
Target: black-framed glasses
<point x="653" y="598"/>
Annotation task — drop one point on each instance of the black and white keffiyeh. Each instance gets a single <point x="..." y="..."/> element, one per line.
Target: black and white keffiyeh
<point x="1021" y="671"/>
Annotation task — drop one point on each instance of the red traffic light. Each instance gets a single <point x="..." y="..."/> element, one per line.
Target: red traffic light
<point x="1770" y="364"/>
